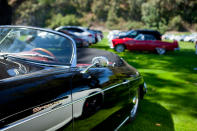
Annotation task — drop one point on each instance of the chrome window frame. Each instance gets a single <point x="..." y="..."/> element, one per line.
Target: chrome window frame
<point x="74" y="54"/>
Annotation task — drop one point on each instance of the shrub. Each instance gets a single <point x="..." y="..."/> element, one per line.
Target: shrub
<point x="59" y="20"/>
<point x="135" y="25"/>
<point x="176" y="23"/>
<point x="195" y="27"/>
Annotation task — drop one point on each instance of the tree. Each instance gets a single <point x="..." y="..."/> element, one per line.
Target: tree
<point x="152" y="16"/>
<point x="59" y="20"/>
<point x="112" y="17"/>
<point x="135" y="9"/>
<point x="100" y="8"/>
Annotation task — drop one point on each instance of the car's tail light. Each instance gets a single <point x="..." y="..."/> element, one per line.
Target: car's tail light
<point x="176" y="43"/>
<point x="90" y="35"/>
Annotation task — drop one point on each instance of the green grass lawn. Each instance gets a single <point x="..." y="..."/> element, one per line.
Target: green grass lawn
<point x="171" y="101"/>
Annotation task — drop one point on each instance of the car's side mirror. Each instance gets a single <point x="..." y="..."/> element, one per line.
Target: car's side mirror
<point x="100" y="61"/>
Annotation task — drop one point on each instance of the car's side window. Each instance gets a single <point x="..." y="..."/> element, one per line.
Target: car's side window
<point x="75" y="30"/>
<point x="150" y="37"/>
<point x="133" y="33"/>
<point x="140" y="37"/>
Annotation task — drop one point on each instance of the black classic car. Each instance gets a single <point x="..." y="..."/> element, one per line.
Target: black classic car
<point x="47" y="84"/>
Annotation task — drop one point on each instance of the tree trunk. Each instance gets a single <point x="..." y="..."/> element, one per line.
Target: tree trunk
<point x="5" y="13"/>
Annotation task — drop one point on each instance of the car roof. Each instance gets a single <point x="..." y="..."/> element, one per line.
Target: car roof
<point x="78" y="27"/>
<point x="148" y="31"/>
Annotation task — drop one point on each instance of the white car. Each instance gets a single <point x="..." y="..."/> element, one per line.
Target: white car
<point x="82" y="32"/>
<point x="113" y="34"/>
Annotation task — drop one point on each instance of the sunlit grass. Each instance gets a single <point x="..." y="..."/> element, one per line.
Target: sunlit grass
<point x="171" y="101"/>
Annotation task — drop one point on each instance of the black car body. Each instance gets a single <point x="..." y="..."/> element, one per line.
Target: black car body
<point x="44" y="86"/>
<point x="134" y="33"/>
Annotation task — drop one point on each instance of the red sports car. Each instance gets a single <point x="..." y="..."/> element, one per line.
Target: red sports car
<point x="144" y="42"/>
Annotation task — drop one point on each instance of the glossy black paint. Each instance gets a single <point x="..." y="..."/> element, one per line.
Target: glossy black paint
<point x="100" y="90"/>
<point x="39" y="86"/>
<point x="116" y="99"/>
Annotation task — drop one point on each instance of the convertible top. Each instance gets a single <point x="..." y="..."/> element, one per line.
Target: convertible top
<point x="85" y="55"/>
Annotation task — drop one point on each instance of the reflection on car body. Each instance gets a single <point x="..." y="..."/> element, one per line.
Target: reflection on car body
<point x="40" y="93"/>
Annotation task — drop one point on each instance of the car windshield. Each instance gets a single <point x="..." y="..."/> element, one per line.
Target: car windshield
<point x="131" y="32"/>
<point x="139" y="37"/>
<point x="36" y="45"/>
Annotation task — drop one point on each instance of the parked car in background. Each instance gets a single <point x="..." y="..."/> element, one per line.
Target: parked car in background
<point x="144" y="43"/>
<point x="98" y="35"/>
<point x="79" y="41"/>
<point x="191" y="38"/>
<point x="82" y="32"/>
<point x="187" y="37"/>
<point x="46" y="84"/>
<point x="113" y="34"/>
<point x="134" y="33"/>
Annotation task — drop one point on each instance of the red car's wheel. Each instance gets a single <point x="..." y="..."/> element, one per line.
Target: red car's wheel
<point x="160" y="51"/>
<point x="119" y="48"/>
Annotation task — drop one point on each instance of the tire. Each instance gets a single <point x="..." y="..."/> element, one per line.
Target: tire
<point x="161" y="51"/>
<point x="135" y="101"/>
<point x="120" y="48"/>
<point x="91" y="106"/>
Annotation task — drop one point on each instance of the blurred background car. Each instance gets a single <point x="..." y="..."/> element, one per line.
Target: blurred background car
<point x="134" y="33"/>
<point x="82" y="32"/>
<point x="144" y="42"/>
<point x="186" y="38"/>
<point x="79" y="41"/>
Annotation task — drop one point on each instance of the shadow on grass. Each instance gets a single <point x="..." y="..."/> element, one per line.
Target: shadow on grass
<point x="180" y="96"/>
<point x="150" y="117"/>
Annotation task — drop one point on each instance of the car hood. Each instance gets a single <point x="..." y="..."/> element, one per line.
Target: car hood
<point x="122" y="40"/>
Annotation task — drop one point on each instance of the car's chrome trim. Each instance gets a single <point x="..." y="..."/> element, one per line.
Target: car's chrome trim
<point x="125" y="120"/>
<point x="74" y="55"/>
<point x="68" y="104"/>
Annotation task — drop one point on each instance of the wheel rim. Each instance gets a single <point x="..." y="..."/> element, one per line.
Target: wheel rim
<point x="160" y="51"/>
<point x="135" y="101"/>
<point x="119" y="48"/>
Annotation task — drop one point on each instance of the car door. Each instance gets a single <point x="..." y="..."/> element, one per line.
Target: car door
<point x="137" y="43"/>
<point x="101" y="97"/>
<point x="150" y="43"/>
<point x="39" y="102"/>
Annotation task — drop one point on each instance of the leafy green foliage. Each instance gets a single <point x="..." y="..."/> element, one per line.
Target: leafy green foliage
<point x="154" y="14"/>
<point x="135" y="9"/>
<point x="59" y="20"/>
<point x="176" y="23"/>
<point x="152" y="17"/>
<point x="100" y="9"/>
